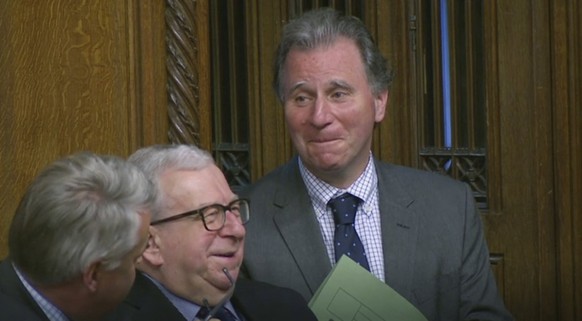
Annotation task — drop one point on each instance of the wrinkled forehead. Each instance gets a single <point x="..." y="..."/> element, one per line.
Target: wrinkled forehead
<point x="186" y="190"/>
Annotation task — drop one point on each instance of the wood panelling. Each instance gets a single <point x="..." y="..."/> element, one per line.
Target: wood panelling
<point x="566" y="50"/>
<point x="522" y="228"/>
<point x="395" y="30"/>
<point x="74" y="76"/>
<point x="147" y="59"/>
<point x="270" y="145"/>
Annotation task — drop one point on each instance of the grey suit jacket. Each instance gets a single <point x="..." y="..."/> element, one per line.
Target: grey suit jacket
<point x="435" y="254"/>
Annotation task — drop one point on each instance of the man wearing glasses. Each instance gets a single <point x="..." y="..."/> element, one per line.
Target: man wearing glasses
<point x="191" y="263"/>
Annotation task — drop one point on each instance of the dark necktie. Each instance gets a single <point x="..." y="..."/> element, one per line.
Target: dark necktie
<point x="346" y="240"/>
<point x="223" y="314"/>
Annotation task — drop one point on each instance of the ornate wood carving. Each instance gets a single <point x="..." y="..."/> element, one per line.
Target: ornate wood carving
<point x="466" y="165"/>
<point x="234" y="161"/>
<point x="183" y="72"/>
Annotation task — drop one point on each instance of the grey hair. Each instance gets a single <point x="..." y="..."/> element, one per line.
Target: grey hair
<point x="79" y="210"/>
<point x="322" y="27"/>
<point x="157" y="159"/>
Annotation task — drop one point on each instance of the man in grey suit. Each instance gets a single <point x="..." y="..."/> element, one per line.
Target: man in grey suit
<point x="419" y="232"/>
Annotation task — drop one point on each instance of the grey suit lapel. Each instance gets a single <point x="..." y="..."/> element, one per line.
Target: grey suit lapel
<point x="399" y="229"/>
<point x="299" y="227"/>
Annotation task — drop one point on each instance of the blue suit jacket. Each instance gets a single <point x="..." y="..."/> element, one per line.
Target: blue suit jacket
<point x="435" y="254"/>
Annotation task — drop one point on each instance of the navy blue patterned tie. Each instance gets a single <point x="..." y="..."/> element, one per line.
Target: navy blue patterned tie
<point x="222" y="314"/>
<point x="346" y="240"/>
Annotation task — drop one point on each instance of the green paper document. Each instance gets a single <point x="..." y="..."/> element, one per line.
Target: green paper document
<point x="351" y="293"/>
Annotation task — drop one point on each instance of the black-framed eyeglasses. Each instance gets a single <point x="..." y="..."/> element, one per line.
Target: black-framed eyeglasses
<point x="214" y="216"/>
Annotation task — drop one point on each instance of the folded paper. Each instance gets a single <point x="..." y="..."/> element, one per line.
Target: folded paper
<point x="351" y="293"/>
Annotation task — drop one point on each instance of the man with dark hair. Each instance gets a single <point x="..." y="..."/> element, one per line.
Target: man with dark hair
<point x="419" y="232"/>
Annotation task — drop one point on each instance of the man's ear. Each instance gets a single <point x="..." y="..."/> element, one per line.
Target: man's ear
<point x="91" y="276"/>
<point x="152" y="254"/>
<point x="380" y="105"/>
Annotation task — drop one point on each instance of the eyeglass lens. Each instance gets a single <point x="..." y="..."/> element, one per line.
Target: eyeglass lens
<point x="214" y="216"/>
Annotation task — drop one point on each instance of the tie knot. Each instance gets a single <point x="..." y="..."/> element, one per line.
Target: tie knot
<point x="223" y="314"/>
<point x="202" y="313"/>
<point x="344" y="208"/>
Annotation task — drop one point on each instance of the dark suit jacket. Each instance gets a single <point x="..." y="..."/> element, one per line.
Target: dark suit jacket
<point x="435" y="254"/>
<point x="15" y="301"/>
<point x="13" y="310"/>
<point x="256" y="301"/>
